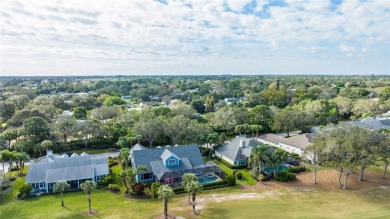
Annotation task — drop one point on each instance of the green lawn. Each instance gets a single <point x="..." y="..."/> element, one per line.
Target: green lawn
<point x="282" y="203"/>
<point x="94" y="151"/>
<point x="372" y="203"/>
<point x="246" y="180"/>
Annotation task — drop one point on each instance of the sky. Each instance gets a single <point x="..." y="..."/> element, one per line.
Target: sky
<point x="145" y="37"/>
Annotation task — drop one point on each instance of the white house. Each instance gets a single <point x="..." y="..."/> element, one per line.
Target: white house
<point x="145" y="104"/>
<point x="231" y="100"/>
<point x="293" y="144"/>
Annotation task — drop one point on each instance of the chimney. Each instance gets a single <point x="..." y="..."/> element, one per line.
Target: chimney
<point x="49" y="152"/>
<point x="241" y="143"/>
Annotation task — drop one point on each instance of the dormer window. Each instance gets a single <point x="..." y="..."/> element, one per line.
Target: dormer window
<point x="170" y="159"/>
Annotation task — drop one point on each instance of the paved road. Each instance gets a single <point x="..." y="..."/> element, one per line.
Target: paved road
<point x="110" y="154"/>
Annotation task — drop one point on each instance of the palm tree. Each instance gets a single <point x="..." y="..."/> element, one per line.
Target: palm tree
<point x="186" y="179"/>
<point x="246" y="128"/>
<point x="257" y="129"/>
<point x="258" y="156"/>
<point x="11" y="158"/>
<point x="4" y="157"/>
<point x="165" y="193"/>
<point x="194" y="188"/>
<point x="61" y="187"/>
<point x="22" y="158"/>
<point x="277" y="158"/>
<point x="88" y="187"/>
<point x="129" y="176"/>
<point x="239" y="129"/>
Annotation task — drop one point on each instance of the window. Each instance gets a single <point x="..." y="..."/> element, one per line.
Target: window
<point x="171" y="161"/>
<point x="146" y="176"/>
<point x="239" y="162"/>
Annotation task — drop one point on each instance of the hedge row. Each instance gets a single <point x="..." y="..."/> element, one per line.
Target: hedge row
<point x="74" y="145"/>
<point x="284" y="176"/>
<point x="299" y="169"/>
<point x="207" y="186"/>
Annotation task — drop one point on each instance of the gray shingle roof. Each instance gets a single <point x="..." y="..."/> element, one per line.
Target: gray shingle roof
<point x="145" y="157"/>
<point x="299" y="141"/>
<point x="159" y="168"/>
<point x="167" y="154"/>
<point x="233" y="151"/>
<point x="372" y="123"/>
<point x="137" y="147"/>
<point x="68" y="168"/>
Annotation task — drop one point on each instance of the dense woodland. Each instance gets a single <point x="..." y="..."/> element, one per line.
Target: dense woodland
<point x="190" y="109"/>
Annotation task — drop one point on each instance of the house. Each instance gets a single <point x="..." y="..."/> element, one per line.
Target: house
<point x="67" y="113"/>
<point x="237" y="151"/>
<point x="231" y="100"/>
<point x="126" y="97"/>
<point x="373" y="123"/>
<point x="170" y="163"/>
<point x="74" y="169"/>
<point x="145" y="104"/>
<point x="293" y="144"/>
<point x="130" y="105"/>
<point x="154" y="98"/>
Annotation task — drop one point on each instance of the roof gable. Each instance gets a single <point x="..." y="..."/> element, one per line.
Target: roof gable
<point x="233" y="151"/>
<point x="145" y="157"/>
<point x="168" y="154"/>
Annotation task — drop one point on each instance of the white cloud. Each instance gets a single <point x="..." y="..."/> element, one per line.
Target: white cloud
<point x="237" y="5"/>
<point x="345" y="48"/>
<point x="148" y="36"/>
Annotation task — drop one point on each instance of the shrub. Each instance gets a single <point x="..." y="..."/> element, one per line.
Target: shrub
<point x="234" y="172"/>
<point x="107" y="180"/>
<point x="295" y="155"/>
<point x="25" y="189"/>
<point x="15" y="168"/>
<point x="148" y="192"/>
<point x="238" y="175"/>
<point x="112" y="162"/>
<point x="155" y="187"/>
<point x="284" y="176"/>
<point x="231" y="180"/>
<point x="267" y="176"/>
<point x="139" y="188"/>
<point x="179" y="189"/>
<point x="299" y="169"/>
<point x="19" y="195"/>
<point x="214" y="184"/>
<point x="255" y="173"/>
<point x="113" y="187"/>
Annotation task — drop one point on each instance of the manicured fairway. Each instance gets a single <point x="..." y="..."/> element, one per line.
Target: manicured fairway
<point x="254" y="202"/>
<point x="222" y="203"/>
